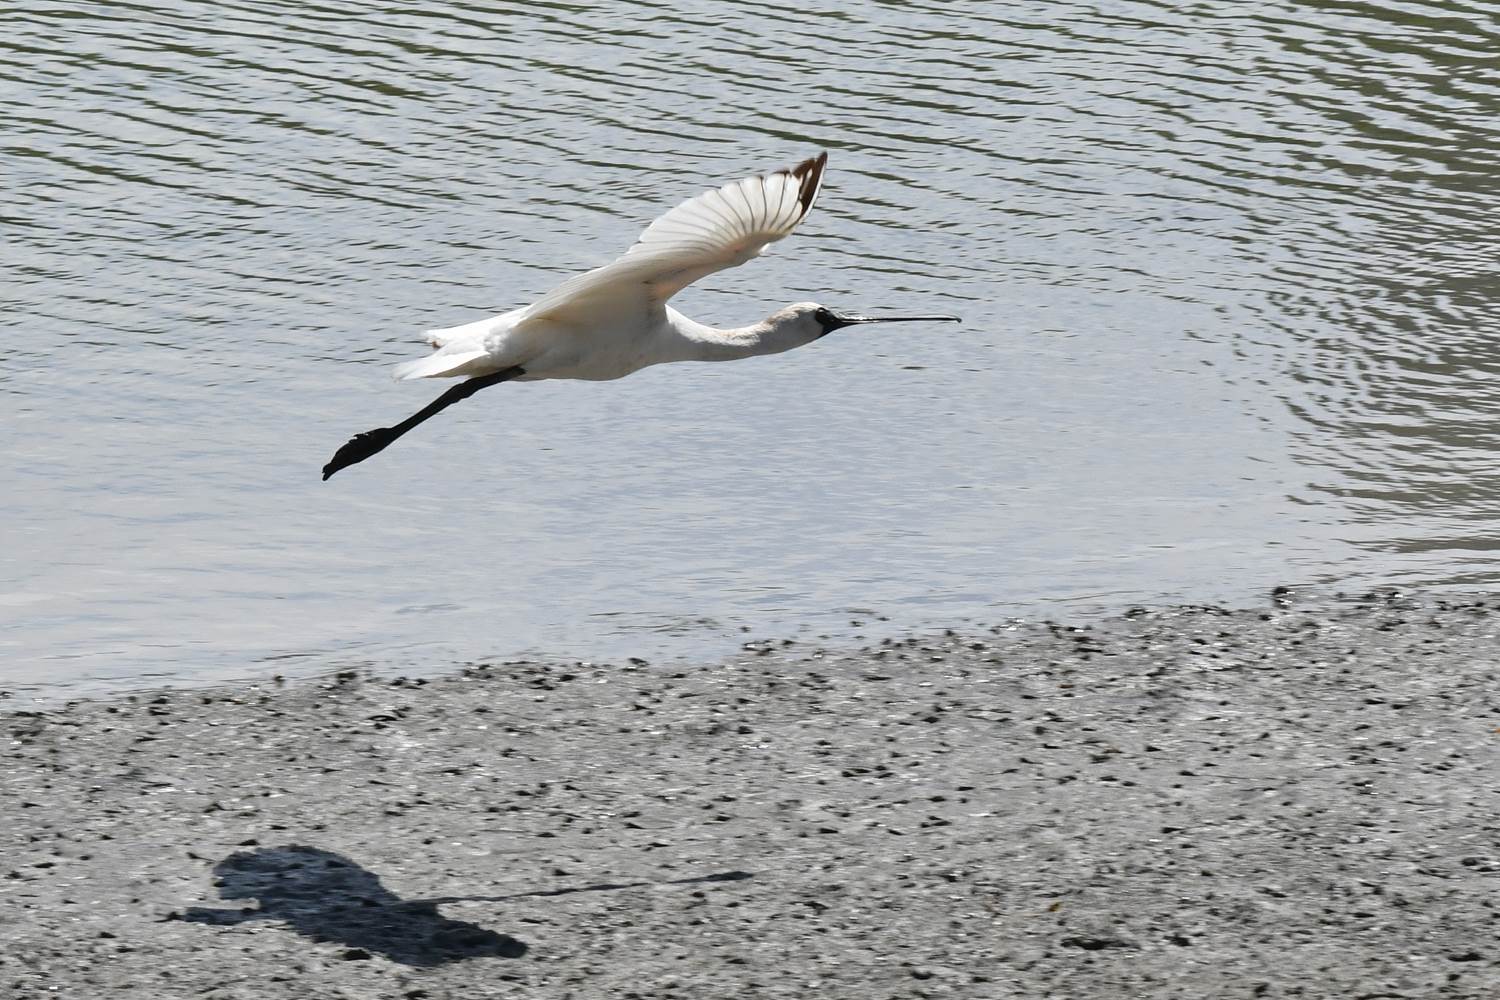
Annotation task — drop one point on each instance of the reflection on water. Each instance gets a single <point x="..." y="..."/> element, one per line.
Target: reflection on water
<point x="1226" y="277"/>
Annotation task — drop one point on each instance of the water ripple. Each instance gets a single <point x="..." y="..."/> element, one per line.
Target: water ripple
<point x="1227" y="275"/>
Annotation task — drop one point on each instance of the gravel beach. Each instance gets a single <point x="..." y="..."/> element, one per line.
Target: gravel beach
<point x="1298" y="800"/>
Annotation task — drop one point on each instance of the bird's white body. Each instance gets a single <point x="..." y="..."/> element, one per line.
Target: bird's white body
<point x="550" y="349"/>
<point x="615" y="320"/>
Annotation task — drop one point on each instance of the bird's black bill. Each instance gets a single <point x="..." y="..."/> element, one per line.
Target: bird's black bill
<point x="852" y="320"/>
<point x="362" y="446"/>
<point x="835" y="321"/>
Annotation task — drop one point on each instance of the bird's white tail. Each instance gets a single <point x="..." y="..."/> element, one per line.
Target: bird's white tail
<point x="445" y="365"/>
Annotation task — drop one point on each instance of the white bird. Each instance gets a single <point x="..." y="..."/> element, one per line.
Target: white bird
<point x="615" y="320"/>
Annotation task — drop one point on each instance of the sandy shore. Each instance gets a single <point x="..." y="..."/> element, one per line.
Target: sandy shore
<point x="1297" y="800"/>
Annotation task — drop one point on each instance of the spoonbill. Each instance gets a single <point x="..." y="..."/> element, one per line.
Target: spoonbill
<point x="615" y="320"/>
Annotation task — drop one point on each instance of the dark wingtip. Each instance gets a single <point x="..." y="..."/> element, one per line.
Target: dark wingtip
<point x="810" y="173"/>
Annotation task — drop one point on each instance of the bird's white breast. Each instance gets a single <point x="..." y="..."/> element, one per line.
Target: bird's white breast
<point x="598" y="355"/>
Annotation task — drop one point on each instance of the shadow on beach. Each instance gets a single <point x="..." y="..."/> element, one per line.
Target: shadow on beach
<point x="327" y="897"/>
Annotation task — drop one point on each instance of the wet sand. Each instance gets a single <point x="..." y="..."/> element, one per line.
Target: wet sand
<point x="1294" y="800"/>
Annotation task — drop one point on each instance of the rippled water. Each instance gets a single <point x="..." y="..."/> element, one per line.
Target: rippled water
<point x="1228" y="275"/>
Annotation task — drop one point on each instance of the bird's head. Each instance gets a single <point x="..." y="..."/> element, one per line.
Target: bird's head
<point x="810" y="321"/>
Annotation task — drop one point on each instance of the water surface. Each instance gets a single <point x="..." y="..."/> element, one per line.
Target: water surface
<point x="1227" y="275"/>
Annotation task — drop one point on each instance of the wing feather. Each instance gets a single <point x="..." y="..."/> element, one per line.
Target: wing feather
<point x="716" y="230"/>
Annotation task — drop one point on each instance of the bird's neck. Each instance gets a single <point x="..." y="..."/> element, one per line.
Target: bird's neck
<point x="709" y="343"/>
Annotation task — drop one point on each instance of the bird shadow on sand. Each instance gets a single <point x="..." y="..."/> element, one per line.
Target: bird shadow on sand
<point x="327" y="897"/>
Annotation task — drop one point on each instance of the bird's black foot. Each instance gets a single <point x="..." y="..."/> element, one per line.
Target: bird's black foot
<point x="358" y="448"/>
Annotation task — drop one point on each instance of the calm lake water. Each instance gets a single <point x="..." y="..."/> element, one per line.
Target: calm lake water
<point x="1228" y="275"/>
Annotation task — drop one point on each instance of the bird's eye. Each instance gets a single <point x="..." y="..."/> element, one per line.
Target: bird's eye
<point x="823" y="316"/>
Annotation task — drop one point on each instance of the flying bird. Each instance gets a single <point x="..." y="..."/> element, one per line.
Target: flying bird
<point x="615" y="320"/>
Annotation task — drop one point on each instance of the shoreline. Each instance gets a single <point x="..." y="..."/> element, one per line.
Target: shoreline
<point x="1291" y="800"/>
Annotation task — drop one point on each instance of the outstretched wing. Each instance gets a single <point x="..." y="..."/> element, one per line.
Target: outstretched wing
<point x="716" y="230"/>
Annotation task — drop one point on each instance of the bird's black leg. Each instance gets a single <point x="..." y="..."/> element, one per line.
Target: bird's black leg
<point x="372" y="442"/>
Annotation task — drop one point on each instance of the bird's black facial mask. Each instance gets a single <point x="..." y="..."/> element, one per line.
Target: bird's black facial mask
<point x="828" y="320"/>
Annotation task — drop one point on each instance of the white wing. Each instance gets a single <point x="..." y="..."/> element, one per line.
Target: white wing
<point x="716" y="230"/>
